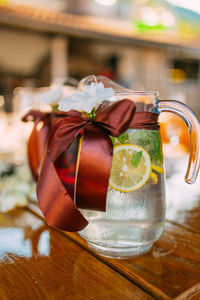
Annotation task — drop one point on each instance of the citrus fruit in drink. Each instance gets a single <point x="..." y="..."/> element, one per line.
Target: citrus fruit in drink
<point x="131" y="167"/>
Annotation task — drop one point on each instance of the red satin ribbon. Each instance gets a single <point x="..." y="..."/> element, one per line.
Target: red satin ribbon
<point x="95" y="163"/>
<point x="145" y="120"/>
<point x="43" y="122"/>
<point x="38" y="138"/>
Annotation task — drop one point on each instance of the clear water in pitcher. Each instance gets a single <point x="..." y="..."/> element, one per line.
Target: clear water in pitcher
<point x="135" y="207"/>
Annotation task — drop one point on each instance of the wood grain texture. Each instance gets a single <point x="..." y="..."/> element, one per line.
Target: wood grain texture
<point x="191" y="294"/>
<point x="169" y="270"/>
<point x="37" y="262"/>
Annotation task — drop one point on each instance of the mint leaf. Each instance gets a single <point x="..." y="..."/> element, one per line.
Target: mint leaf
<point x="158" y="147"/>
<point x="150" y="140"/>
<point x="112" y="139"/>
<point x="55" y="108"/>
<point x="156" y="150"/>
<point x="123" y="137"/>
<point x="136" y="159"/>
<point x="91" y="116"/>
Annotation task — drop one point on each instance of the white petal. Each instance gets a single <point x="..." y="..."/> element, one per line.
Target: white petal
<point x="91" y="96"/>
<point x="51" y="96"/>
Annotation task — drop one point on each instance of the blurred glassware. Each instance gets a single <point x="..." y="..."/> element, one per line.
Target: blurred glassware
<point x="176" y="142"/>
<point x="43" y="98"/>
<point x="175" y="134"/>
<point x="16" y="184"/>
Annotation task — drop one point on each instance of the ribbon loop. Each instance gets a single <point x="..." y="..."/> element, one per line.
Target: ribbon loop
<point x="65" y="130"/>
<point x="116" y="117"/>
<point x="35" y="115"/>
<point x="38" y="138"/>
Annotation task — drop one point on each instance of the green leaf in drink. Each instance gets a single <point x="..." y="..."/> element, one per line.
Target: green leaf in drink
<point x="123" y="138"/>
<point x="136" y="159"/>
<point x="112" y="139"/>
<point x="150" y="140"/>
<point x="55" y="108"/>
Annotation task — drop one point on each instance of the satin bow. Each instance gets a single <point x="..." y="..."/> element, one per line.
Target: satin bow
<point x="94" y="164"/>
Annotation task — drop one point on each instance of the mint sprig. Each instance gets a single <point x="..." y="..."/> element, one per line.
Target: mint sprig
<point x="123" y="138"/>
<point x="92" y="114"/>
<point x="112" y="139"/>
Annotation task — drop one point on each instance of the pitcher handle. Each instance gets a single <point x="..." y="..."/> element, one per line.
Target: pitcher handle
<point x="193" y="125"/>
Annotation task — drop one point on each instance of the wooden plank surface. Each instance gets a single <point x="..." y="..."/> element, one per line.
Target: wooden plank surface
<point x="171" y="269"/>
<point x="37" y="262"/>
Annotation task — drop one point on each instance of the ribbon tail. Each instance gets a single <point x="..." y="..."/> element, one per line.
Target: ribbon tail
<point x="93" y="169"/>
<point x="55" y="203"/>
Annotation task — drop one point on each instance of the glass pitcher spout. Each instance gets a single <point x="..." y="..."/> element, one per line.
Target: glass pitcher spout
<point x="193" y="125"/>
<point x="106" y="82"/>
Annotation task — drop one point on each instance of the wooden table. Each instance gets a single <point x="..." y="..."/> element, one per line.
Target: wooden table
<point x="38" y="262"/>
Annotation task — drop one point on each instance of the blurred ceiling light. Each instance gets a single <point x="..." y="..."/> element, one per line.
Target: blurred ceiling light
<point x="166" y="17"/>
<point x="193" y="5"/>
<point x="106" y="2"/>
<point x="149" y="16"/>
<point x="2" y="101"/>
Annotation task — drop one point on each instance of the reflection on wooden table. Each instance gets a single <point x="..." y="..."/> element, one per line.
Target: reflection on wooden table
<point x="37" y="262"/>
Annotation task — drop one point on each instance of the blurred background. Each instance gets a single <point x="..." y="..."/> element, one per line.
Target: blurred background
<point x="141" y="44"/>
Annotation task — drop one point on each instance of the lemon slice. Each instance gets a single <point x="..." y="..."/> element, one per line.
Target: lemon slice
<point x="157" y="169"/>
<point x="153" y="178"/>
<point x="124" y="177"/>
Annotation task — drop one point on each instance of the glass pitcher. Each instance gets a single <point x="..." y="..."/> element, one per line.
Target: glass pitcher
<point x="135" y="215"/>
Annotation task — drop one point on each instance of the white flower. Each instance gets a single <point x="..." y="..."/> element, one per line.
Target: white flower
<point x="51" y="96"/>
<point x="76" y="101"/>
<point x="91" y="96"/>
